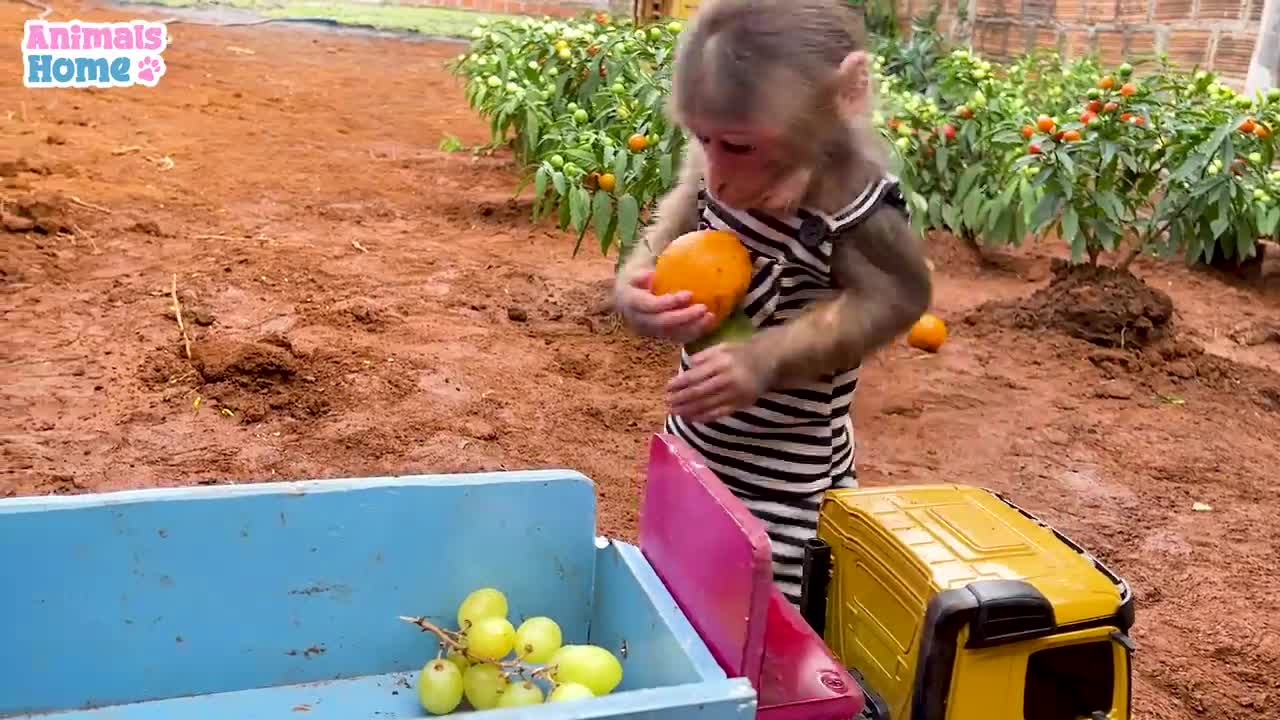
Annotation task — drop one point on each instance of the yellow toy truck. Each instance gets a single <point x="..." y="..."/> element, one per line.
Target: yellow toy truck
<point x="949" y="602"/>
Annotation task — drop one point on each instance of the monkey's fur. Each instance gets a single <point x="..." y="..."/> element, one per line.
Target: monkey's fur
<point x="795" y="71"/>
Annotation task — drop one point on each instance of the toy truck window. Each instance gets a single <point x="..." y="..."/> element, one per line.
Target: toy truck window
<point x="1070" y="682"/>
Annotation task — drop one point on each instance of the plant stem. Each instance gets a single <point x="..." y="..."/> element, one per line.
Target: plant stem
<point x="454" y="642"/>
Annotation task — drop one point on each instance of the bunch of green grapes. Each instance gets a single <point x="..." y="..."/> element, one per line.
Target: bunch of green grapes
<point x="493" y="664"/>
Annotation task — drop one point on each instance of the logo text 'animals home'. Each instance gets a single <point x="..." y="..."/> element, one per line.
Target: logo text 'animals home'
<point x="79" y="54"/>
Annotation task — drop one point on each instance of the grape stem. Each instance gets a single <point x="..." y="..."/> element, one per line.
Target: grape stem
<point x="454" y="641"/>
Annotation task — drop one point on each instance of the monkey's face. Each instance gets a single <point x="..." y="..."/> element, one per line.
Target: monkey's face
<point x="752" y="167"/>
<point x="763" y="143"/>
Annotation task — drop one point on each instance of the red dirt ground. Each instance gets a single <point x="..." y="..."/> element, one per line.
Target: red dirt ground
<point x="364" y="303"/>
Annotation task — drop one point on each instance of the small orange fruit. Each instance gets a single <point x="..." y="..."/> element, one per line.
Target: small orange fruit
<point x="1107" y="83"/>
<point x="713" y="265"/>
<point x="928" y="333"/>
<point x="637" y="143"/>
<point x="1045" y="123"/>
<point x="608" y="182"/>
<point x="1071" y="135"/>
<point x="1248" y="126"/>
<point x="1028" y="131"/>
<point x="1262" y="132"/>
<point x="1128" y="89"/>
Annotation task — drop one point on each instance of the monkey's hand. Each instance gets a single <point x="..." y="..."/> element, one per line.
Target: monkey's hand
<point x="720" y="380"/>
<point x="667" y="316"/>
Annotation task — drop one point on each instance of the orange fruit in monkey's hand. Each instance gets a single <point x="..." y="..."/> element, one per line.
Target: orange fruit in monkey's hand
<point x="712" y="265"/>
<point x="928" y="333"/>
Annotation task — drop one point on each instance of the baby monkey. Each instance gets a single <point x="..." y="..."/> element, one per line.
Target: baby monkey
<point x="775" y="96"/>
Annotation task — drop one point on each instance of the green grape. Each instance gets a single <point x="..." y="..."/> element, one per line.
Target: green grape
<point x="537" y="639"/>
<point x="589" y="665"/>
<point x="570" y="691"/>
<point x="520" y="693"/>
<point x="481" y="604"/>
<point x="458" y="659"/>
<point x="483" y="684"/>
<point x="440" y="687"/>
<point x="491" y="638"/>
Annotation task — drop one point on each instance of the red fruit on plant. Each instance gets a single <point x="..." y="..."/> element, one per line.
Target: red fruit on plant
<point x="1110" y="107"/>
<point x="1059" y="135"/>
<point x="1086" y="116"/>
<point x="1095" y="106"/>
<point x="1124" y="117"/>
<point x="964" y="111"/>
<point x="1137" y="120"/>
<point x="1033" y="149"/>
<point x="1248" y="126"/>
<point x="949" y="131"/>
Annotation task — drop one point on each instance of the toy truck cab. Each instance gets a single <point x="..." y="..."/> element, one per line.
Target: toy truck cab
<point x="950" y="603"/>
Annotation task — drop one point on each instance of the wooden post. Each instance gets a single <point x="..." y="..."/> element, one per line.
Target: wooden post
<point x="1265" y="65"/>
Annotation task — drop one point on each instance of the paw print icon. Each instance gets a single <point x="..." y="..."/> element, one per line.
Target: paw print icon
<point x="150" y="68"/>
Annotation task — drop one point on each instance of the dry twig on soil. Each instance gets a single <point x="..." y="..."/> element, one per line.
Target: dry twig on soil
<point x="43" y="8"/>
<point x="177" y="311"/>
<point x="89" y="205"/>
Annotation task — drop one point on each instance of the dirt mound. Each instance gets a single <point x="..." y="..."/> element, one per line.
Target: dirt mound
<point x="45" y="212"/>
<point x="251" y="364"/>
<point x="1101" y="305"/>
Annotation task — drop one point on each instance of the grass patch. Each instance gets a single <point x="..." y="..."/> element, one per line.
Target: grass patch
<point x="425" y="20"/>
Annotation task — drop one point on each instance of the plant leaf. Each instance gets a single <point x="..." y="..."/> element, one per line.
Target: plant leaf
<point x="628" y="220"/>
<point x="602" y="216"/>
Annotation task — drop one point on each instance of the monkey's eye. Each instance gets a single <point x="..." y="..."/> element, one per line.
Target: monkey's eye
<point x="704" y="139"/>
<point x="736" y="148"/>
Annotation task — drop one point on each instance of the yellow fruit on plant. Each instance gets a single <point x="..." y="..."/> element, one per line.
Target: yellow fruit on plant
<point x="928" y="333"/>
<point x="712" y="265"/>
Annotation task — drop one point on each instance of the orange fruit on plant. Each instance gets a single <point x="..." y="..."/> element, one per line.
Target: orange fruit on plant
<point x="608" y="182"/>
<point x="637" y="142"/>
<point x="1110" y="107"/>
<point x="712" y="265"/>
<point x="1262" y="132"/>
<point x="1128" y="89"/>
<point x="1107" y="83"/>
<point x="928" y="333"/>
<point x="1028" y="131"/>
<point x="1071" y="135"/>
<point x="1045" y="123"/>
<point x="1095" y="106"/>
<point x="1248" y="126"/>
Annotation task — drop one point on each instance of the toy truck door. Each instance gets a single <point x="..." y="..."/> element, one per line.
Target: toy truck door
<point x="1082" y="675"/>
<point x="1079" y="675"/>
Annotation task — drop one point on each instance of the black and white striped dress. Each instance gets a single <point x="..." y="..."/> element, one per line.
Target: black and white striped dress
<point x="780" y="455"/>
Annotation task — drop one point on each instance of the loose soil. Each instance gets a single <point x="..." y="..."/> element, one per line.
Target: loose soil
<point x="359" y="302"/>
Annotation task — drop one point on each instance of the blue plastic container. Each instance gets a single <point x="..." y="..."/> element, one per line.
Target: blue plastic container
<point x="282" y="600"/>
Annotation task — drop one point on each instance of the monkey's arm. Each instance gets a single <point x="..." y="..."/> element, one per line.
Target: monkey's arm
<point x="675" y="215"/>
<point x="885" y="287"/>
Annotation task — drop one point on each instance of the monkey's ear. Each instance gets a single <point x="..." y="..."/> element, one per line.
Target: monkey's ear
<point x="853" y="85"/>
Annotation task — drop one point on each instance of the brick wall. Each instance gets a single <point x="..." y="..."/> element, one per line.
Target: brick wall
<point x="555" y="8"/>
<point x="1216" y="34"/>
